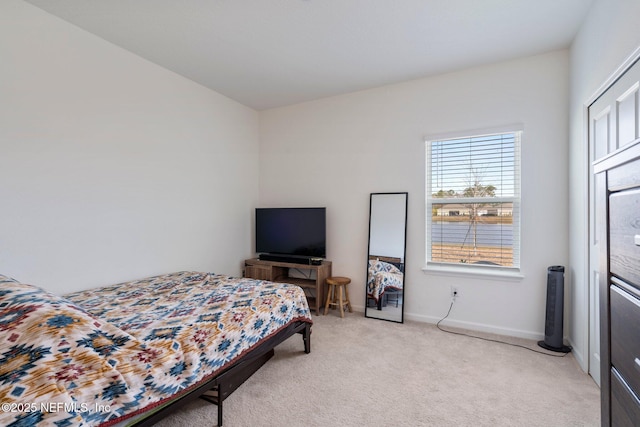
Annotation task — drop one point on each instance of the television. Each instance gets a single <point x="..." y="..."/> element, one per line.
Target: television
<point x="291" y="234"/>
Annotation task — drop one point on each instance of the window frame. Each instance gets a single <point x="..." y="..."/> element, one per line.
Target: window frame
<point x="470" y="268"/>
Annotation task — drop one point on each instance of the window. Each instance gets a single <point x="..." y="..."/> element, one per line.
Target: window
<point x="473" y="201"/>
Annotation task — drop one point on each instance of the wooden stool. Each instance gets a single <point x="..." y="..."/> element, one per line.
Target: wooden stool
<point x="338" y="284"/>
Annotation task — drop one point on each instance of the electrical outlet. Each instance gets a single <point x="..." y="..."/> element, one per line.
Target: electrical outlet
<point x="454" y="293"/>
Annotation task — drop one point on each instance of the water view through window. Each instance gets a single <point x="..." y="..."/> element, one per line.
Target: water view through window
<point x="474" y="198"/>
<point x="488" y="239"/>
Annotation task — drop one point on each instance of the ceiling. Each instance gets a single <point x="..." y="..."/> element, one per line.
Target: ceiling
<point x="271" y="53"/>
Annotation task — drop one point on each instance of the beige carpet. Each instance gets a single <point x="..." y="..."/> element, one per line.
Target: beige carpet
<point x="367" y="372"/>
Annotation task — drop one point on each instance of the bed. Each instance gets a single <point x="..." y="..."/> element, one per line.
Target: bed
<point x="384" y="276"/>
<point x="131" y="353"/>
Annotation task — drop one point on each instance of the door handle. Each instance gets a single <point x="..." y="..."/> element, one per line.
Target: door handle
<point x="636" y="239"/>
<point x="637" y="363"/>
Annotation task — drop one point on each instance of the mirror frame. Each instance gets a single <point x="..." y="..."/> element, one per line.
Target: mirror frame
<point x="404" y="257"/>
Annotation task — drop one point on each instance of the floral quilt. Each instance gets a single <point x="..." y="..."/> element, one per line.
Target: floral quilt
<point x="100" y="356"/>
<point x="382" y="276"/>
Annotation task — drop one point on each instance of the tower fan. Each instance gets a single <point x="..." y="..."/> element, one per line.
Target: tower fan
<point x="553" y="328"/>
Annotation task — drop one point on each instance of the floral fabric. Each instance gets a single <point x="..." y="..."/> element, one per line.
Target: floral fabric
<point x="100" y="356"/>
<point x="382" y="276"/>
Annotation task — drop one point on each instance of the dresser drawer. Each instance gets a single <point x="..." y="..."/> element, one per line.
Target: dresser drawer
<point x="624" y="235"/>
<point x="625" y="406"/>
<point x="625" y="336"/>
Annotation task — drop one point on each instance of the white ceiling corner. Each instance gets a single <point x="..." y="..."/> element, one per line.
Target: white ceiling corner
<point x="267" y="54"/>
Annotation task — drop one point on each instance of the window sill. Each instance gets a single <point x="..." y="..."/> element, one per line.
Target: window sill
<point x="508" y="274"/>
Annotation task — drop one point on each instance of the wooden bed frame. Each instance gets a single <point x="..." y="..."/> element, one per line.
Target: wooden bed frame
<point x="390" y="260"/>
<point x="217" y="389"/>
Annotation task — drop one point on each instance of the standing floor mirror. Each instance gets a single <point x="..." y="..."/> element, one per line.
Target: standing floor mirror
<point x="386" y="256"/>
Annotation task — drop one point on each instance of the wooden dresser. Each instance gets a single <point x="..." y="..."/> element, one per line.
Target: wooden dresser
<point x="618" y="187"/>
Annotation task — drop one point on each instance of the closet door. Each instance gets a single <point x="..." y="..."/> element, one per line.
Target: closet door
<point x="614" y="121"/>
<point x="614" y="125"/>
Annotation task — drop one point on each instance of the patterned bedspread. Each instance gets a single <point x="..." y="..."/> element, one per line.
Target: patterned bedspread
<point x="99" y="356"/>
<point x="382" y="276"/>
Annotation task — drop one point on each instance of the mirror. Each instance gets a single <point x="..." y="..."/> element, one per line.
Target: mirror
<point x="386" y="256"/>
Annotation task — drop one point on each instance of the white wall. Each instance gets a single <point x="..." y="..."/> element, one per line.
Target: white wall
<point x="387" y="222"/>
<point x="335" y="151"/>
<point x="608" y="36"/>
<point x="112" y="167"/>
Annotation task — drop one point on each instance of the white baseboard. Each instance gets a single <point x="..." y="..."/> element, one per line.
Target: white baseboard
<point x="579" y="356"/>
<point x="481" y="327"/>
<point x="357" y="308"/>
<point x="474" y="326"/>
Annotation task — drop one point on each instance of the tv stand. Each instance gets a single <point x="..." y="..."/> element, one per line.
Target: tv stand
<point x="279" y="271"/>
<point x="285" y="258"/>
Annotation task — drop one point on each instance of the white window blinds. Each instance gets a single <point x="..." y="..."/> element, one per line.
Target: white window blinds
<point x="473" y="200"/>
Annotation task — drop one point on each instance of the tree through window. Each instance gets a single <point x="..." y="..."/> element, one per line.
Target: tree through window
<point x="473" y="200"/>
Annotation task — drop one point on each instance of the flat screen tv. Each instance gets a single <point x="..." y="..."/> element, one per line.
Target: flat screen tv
<point x="289" y="234"/>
